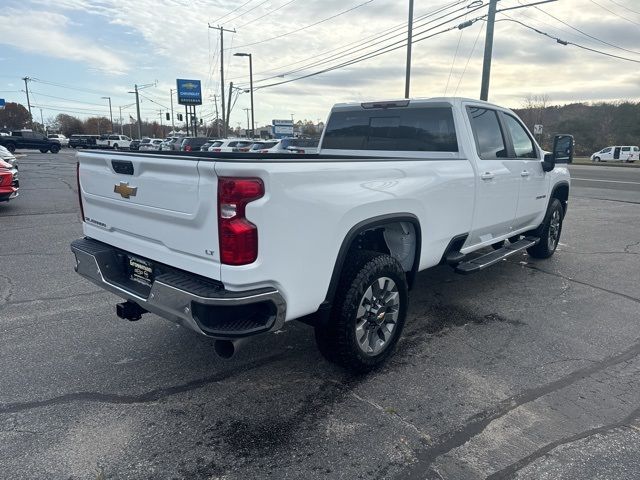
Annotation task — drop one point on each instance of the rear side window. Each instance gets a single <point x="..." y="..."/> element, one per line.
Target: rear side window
<point x="428" y="129"/>
<point x="487" y="133"/>
<point x="626" y="149"/>
<point x="636" y="149"/>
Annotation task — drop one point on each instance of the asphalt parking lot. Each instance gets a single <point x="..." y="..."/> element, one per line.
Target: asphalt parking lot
<point x="528" y="370"/>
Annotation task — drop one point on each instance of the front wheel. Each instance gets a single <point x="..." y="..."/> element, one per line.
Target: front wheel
<point x="596" y="159"/>
<point x="368" y="314"/>
<point x="115" y="146"/>
<point x="549" y="231"/>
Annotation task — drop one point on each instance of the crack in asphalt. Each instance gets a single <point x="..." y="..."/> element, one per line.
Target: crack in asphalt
<point x="607" y="200"/>
<point x="510" y="470"/>
<point x="148" y="397"/>
<point x="478" y="423"/>
<point x="570" y="279"/>
<point x="44" y="299"/>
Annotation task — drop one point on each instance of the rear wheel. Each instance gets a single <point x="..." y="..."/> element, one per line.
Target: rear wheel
<point x="549" y="231"/>
<point x="115" y="146"/>
<point x="368" y="313"/>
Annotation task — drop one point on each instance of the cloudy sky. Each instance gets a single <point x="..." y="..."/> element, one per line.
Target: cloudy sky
<point x="78" y="51"/>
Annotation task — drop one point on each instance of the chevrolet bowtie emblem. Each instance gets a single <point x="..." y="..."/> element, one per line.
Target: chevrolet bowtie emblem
<point x="125" y="190"/>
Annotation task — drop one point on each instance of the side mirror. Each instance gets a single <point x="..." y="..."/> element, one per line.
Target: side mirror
<point x="563" y="149"/>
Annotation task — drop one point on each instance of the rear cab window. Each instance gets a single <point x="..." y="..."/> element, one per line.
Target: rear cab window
<point x="424" y="128"/>
<point x="487" y="133"/>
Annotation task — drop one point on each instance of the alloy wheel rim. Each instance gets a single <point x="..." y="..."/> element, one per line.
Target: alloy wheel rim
<point x="554" y="229"/>
<point x="377" y="316"/>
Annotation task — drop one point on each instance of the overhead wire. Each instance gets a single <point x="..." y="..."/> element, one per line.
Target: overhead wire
<point x="367" y="45"/>
<point x="473" y="49"/>
<point x="282" y="35"/>
<point x="377" y="35"/>
<point x="381" y="51"/>
<point x="565" y="42"/>
<point x="244" y="13"/>
<point x="614" y="13"/>
<point x="625" y="7"/>
<point x="453" y="62"/>
<point x="266" y="14"/>
<point x="232" y="11"/>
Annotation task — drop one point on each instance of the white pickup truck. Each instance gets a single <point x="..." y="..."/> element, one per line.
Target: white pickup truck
<point x="233" y="245"/>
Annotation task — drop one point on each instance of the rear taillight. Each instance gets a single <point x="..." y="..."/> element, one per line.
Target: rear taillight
<point x="79" y="190"/>
<point x="187" y="148"/>
<point x="238" y="236"/>
<point x="215" y="149"/>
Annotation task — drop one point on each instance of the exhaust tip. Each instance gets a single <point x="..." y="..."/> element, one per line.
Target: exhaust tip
<point x="224" y="348"/>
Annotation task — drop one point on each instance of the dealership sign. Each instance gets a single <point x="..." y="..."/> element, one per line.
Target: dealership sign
<point x="282" y="128"/>
<point x="189" y="92"/>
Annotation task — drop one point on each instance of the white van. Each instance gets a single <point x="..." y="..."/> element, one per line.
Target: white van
<point x="617" y="154"/>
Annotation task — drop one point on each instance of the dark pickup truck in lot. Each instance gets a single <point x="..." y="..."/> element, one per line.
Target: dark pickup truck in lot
<point x="83" y="141"/>
<point x="29" y="139"/>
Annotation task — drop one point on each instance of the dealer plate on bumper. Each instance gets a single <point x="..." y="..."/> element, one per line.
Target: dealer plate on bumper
<point x="140" y="271"/>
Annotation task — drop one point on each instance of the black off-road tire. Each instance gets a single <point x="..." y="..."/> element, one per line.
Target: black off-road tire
<point x="545" y="248"/>
<point x="55" y="148"/>
<point x="337" y="340"/>
<point x="43" y="150"/>
<point x="11" y="147"/>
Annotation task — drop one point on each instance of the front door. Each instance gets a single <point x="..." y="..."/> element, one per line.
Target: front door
<point x="498" y="179"/>
<point x="532" y="199"/>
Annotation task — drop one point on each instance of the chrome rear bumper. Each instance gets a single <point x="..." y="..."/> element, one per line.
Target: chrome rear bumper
<point x="200" y="304"/>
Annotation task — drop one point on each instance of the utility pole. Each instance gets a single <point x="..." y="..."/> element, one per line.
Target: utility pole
<point x="42" y="121"/>
<point x="488" y="50"/>
<point x="222" y="30"/>
<point x="253" y="120"/>
<point x="407" y="81"/>
<point x="121" y="127"/>
<point x="247" y="112"/>
<point x="226" y="126"/>
<point x="110" y="112"/>
<point x="161" y="126"/>
<point x="26" y="89"/>
<point x="138" y="113"/>
<point x="173" y="126"/>
<point x="215" y="101"/>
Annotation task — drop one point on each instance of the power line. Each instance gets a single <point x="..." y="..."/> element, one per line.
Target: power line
<point x="153" y="101"/>
<point x="340" y="49"/>
<point x="266" y="14"/>
<point x="244" y="13"/>
<point x="565" y="42"/>
<point x="604" y="42"/>
<point x="232" y="11"/>
<point x="67" y="99"/>
<point x="626" y="8"/>
<point x="473" y="49"/>
<point x="614" y="13"/>
<point x="71" y="87"/>
<point x="344" y="12"/>
<point x="380" y="51"/>
<point x="453" y="63"/>
<point x="365" y="45"/>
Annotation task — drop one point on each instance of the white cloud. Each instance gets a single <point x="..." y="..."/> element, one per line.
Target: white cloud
<point x="45" y="33"/>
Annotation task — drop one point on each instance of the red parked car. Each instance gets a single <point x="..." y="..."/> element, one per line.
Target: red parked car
<point x="9" y="184"/>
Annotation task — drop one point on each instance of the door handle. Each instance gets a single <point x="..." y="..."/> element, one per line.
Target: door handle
<point x="524" y="173"/>
<point x="487" y="176"/>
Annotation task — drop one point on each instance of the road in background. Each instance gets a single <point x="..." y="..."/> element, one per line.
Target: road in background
<point x="527" y="370"/>
<point x="601" y="182"/>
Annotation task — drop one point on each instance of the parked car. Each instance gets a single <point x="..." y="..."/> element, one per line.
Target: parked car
<point x="115" y="142"/>
<point x="397" y="187"/>
<point x="83" y="141"/>
<point x="8" y="157"/>
<point x="232" y="145"/>
<point x="205" y="146"/>
<point x="293" y="145"/>
<point x="135" y="144"/>
<point x="64" y="141"/>
<point x="9" y="184"/>
<point x="150" y="144"/>
<point x="262" y="147"/>
<point x="192" y="144"/>
<point x="617" y="154"/>
<point x="30" y="139"/>
<point x="171" y="143"/>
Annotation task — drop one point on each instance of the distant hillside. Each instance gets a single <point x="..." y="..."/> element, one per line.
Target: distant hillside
<point x="594" y="126"/>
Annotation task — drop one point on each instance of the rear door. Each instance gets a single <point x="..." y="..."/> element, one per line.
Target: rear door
<point x="616" y="153"/>
<point x="160" y="208"/>
<point x="498" y="180"/>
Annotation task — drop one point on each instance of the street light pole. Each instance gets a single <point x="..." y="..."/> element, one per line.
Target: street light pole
<point x="110" y="112"/>
<point x="253" y="119"/>
<point x="26" y="89"/>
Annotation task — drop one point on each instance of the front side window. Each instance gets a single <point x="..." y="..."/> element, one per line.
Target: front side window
<point x="605" y="150"/>
<point x="487" y="132"/>
<point x="522" y="143"/>
<point x="428" y="129"/>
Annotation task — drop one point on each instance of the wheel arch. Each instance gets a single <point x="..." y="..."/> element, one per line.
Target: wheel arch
<point x="561" y="192"/>
<point x="370" y="225"/>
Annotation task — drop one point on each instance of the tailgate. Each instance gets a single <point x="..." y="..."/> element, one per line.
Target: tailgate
<point x="160" y="208"/>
